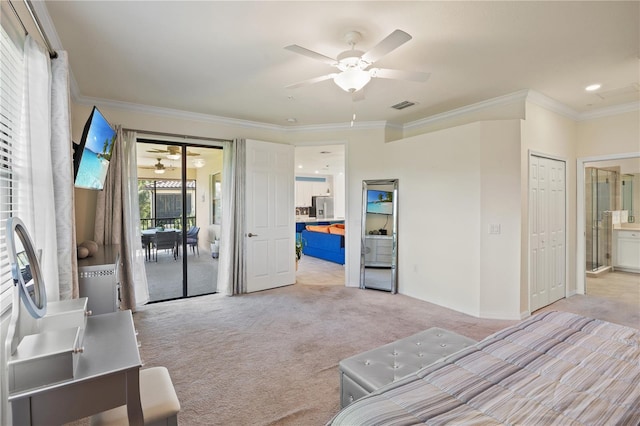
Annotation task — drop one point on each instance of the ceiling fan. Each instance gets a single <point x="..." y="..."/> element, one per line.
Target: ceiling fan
<point x="172" y="151"/>
<point x="158" y="168"/>
<point x="355" y="65"/>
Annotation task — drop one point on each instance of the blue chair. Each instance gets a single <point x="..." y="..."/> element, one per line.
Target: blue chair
<point x="192" y="239"/>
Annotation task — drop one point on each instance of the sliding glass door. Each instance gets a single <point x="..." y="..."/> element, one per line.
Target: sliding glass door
<point x="179" y="187"/>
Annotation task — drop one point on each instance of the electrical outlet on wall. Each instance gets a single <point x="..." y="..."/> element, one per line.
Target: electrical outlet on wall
<point x="494" y="228"/>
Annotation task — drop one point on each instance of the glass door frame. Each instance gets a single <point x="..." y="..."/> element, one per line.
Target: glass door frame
<point x="184" y="220"/>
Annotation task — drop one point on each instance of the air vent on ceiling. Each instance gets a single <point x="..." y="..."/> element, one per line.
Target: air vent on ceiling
<point x="403" y="105"/>
<point x="617" y="92"/>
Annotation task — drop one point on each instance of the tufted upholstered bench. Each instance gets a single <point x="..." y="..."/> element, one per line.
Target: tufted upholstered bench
<point x="362" y="374"/>
<point x="160" y="405"/>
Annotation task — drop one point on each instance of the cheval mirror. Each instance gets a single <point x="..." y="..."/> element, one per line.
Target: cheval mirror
<point x="379" y="243"/>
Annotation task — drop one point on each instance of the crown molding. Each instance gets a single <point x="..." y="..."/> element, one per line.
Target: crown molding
<point x="546" y="102"/>
<point x="225" y="121"/>
<point x="510" y="98"/>
<point x="609" y="111"/>
<point x="176" y="113"/>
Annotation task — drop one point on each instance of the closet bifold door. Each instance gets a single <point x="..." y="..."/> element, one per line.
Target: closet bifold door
<point x="547" y="248"/>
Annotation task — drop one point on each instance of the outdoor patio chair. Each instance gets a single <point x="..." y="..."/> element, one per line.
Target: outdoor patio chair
<point x="192" y="239"/>
<point x="166" y="240"/>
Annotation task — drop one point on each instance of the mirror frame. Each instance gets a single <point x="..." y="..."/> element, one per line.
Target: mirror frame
<point x="38" y="307"/>
<point x="394" y="232"/>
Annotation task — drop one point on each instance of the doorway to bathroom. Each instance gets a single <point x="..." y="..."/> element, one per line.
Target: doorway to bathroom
<point x="601" y="187"/>
<point x="608" y="237"/>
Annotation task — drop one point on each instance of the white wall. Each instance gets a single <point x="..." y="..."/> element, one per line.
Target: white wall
<point x="554" y="135"/>
<point x="500" y="205"/>
<point x="609" y="135"/>
<point x="452" y="184"/>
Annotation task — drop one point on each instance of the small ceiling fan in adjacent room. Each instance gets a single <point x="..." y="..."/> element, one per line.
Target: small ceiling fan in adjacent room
<point x="158" y="168"/>
<point x="172" y="152"/>
<point x="355" y="66"/>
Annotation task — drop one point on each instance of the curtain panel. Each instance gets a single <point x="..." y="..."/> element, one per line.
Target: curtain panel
<point x="62" y="167"/>
<point x="132" y="254"/>
<point x="36" y="196"/>
<point x="232" y="277"/>
<point x="118" y="220"/>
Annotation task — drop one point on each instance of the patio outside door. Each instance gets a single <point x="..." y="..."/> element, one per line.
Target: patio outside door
<point x="179" y="187"/>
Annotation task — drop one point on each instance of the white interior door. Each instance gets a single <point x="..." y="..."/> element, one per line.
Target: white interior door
<point x="269" y="212"/>
<point x="547" y="251"/>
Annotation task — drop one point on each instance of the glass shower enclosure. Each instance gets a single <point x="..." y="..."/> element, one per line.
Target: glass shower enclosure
<point x="600" y="200"/>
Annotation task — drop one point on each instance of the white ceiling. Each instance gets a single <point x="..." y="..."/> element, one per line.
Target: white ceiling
<point x="228" y="59"/>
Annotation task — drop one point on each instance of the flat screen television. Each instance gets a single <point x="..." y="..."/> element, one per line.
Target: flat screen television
<point x="380" y="202"/>
<point x="93" y="153"/>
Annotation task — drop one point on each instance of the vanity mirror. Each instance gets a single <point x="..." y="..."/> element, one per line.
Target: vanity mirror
<point x="25" y="268"/>
<point x="379" y="253"/>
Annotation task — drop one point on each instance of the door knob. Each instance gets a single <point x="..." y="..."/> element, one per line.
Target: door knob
<point x="251" y="235"/>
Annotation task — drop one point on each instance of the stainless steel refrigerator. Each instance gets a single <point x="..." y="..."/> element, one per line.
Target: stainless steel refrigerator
<point x="321" y="207"/>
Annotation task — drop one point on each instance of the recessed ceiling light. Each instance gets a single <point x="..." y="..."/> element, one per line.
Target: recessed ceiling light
<point x="291" y="120"/>
<point x="593" y="87"/>
<point x="300" y="166"/>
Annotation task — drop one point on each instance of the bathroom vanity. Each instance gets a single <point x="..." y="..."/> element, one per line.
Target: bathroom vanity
<point x="626" y="248"/>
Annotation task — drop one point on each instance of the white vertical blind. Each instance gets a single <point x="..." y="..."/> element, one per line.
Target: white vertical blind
<point x="11" y="96"/>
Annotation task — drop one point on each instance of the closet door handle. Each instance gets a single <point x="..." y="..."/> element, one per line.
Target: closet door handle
<point x="251" y="235"/>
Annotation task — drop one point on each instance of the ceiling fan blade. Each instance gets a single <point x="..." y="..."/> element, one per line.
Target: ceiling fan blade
<point x="392" y="42"/>
<point x="399" y="75"/>
<point x="311" y="54"/>
<point x="311" y="81"/>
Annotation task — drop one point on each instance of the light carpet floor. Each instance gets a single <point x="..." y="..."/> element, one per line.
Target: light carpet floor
<point x="271" y="358"/>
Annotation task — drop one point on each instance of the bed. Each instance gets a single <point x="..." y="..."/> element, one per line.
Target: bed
<point x="553" y="368"/>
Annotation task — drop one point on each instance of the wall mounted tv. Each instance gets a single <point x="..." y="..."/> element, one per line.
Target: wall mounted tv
<point x="93" y="154"/>
<point x="380" y="202"/>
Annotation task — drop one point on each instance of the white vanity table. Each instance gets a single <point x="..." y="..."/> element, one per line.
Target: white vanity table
<point x="106" y="377"/>
<point x="63" y="364"/>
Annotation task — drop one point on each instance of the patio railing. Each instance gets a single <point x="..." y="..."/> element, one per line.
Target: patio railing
<point x="166" y="222"/>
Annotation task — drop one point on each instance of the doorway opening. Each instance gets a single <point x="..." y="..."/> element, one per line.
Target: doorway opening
<point x="320" y="204"/>
<point x="179" y="193"/>
<point x="608" y="208"/>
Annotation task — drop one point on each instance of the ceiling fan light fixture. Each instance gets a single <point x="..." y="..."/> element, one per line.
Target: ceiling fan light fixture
<point x="159" y="171"/>
<point x="173" y="156"/>
<point x="352" y="79"/>
<point x="198" y="162"/>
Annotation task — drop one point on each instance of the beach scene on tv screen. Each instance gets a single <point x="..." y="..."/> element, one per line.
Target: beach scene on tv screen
<point x="96" y="155"/>
<point x="379" y="202"/>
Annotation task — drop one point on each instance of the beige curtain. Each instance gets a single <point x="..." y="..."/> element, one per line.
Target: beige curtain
<point x="109" y="227"/>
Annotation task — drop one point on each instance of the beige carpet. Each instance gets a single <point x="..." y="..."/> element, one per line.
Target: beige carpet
<point x="271" y="358"/>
